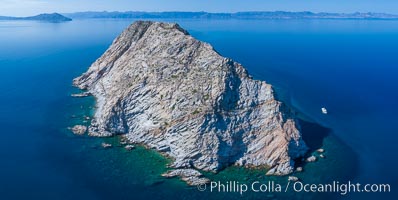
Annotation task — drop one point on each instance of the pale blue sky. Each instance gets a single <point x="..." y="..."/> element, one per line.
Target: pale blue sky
<point x="32" y="7"/>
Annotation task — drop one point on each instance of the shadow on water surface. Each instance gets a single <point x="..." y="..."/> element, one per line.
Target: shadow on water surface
<point x="340" y="163"/>
<point x="313" y="134"/>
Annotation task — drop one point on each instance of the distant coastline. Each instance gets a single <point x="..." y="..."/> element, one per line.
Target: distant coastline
<point x="52" y="17"/>
<point x="56" y="17"/>
<point x="237" y="15"/>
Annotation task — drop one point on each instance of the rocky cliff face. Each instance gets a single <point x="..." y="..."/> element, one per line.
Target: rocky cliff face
<point x="161" y="87"/>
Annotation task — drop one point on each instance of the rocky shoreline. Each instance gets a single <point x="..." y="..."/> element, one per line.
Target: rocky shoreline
<point x="191" y="176"/>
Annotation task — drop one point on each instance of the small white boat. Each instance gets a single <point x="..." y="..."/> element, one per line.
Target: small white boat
<point x="324" y="111"/>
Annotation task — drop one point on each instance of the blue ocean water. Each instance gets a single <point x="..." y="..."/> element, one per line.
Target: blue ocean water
<point x="347" y="66"/>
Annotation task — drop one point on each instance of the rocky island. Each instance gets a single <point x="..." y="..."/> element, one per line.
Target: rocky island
<point x="160" y="87"/>
<point x="48" y="17"/>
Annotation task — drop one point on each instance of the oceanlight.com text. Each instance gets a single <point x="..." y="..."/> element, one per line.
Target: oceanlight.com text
<point x="342" y="188"/>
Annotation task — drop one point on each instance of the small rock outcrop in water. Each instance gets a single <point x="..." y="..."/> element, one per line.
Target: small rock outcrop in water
<point x="83" y="94"/>
<point x="159" y="86"/>
<point x="129" y="147"/>
<point x="191" y="176"/>
<point x="106" y="145"/>
<point x="79" y="129"/>
<point x="299" y="169"/>
<point x="311" y="159"/>
<point x="292" y="178"/>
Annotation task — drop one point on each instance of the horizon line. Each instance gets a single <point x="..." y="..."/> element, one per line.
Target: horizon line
<point x="259" y="11"/>
<point x="374" y="12"/>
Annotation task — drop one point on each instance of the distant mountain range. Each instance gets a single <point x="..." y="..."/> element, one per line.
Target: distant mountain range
<point x="238" y="15"/>
<point x="53" y="17"/>
<point x="56" y="17"/>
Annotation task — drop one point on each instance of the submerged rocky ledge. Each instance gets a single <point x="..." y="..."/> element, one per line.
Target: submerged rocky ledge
<point x="160" y="87"/>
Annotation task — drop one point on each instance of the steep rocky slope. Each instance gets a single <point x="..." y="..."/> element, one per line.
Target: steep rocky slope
<point x="161" y="87"/>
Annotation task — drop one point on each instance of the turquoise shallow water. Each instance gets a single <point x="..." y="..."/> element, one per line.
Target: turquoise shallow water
<point x="347" y="66"/>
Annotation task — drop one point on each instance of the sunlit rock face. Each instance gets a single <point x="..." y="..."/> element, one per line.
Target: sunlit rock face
<point x="163" y="88"/>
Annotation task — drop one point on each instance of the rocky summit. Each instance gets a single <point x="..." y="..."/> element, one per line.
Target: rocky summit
<point x="161" y="87"/>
